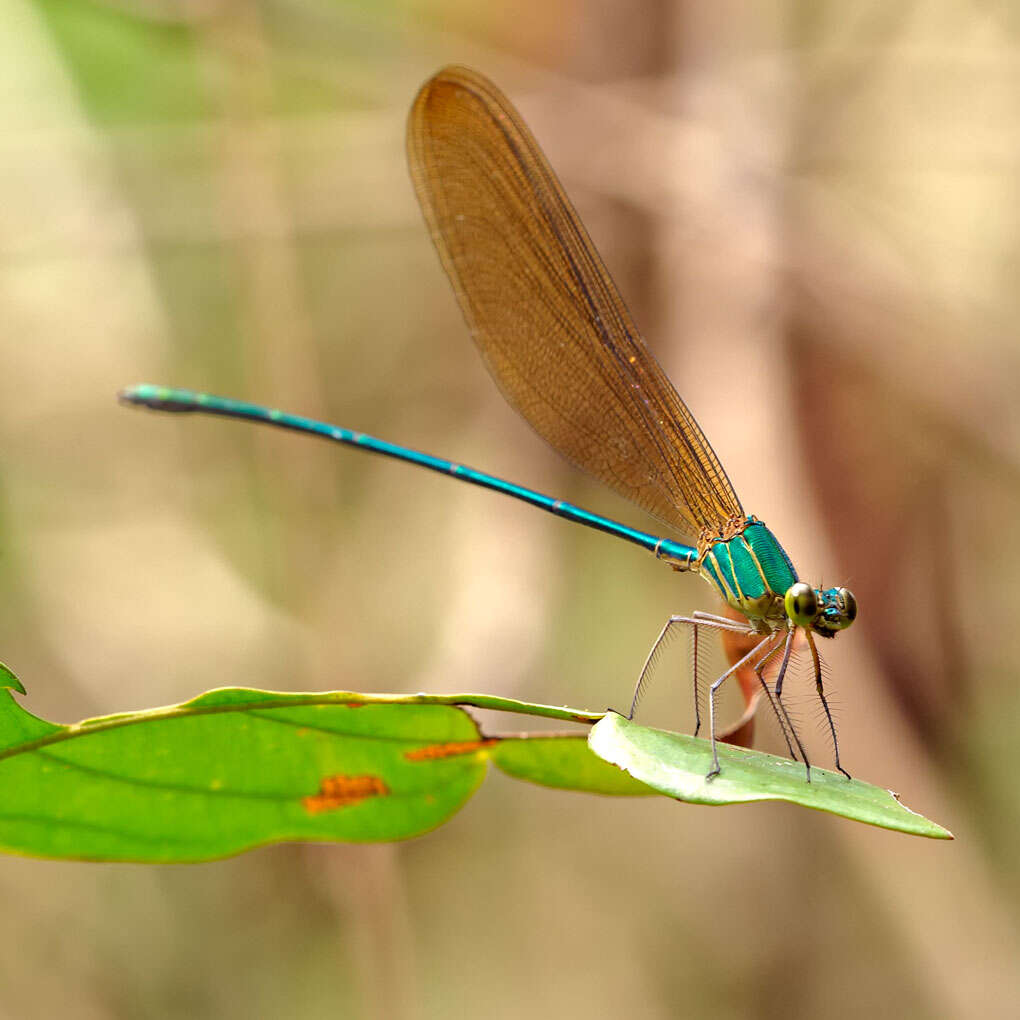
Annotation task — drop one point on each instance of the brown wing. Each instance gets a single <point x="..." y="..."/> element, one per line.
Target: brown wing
<point x="544" y="312"/>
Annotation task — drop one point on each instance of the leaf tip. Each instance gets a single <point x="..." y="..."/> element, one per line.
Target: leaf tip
<point x="9" y="680"/>
<point x="936" y="831"/>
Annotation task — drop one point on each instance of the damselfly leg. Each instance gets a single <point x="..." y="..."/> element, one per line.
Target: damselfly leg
<point x="816" y="662"/>
<point x="697" y="620"/>
<point x="757" y="658"/>
<point x="775" y="699"/>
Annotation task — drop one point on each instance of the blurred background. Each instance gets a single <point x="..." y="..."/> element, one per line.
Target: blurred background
<point x="811" y="208"/>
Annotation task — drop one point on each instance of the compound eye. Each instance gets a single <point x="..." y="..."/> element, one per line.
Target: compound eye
<point x="849" y="605"/>
<point x="801" y="604"/>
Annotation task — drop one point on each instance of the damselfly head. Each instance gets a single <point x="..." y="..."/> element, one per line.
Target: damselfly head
<point x="826" y="611"/>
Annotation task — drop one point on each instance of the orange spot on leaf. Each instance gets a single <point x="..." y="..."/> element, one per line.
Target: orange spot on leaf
<point x="449" y="750"/>
<point x="343" y="791"/>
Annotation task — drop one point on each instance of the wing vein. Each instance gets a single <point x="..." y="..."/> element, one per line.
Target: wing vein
<point x="544" y="312"/>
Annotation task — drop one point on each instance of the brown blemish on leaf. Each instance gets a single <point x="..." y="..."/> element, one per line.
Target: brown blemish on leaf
<point x="343" y="791"/>
<point x="449" y="750"/>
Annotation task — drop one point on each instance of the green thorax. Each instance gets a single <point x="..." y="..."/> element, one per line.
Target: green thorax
<point x="751" y="571"/>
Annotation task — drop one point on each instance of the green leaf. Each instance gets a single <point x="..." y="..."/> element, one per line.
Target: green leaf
<point x="238" y="768"/>
<point x="676" y="765"/>
<point x="232" y="770"/>
<point x="9" y="680"/>
<point x="564" y="762"/>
